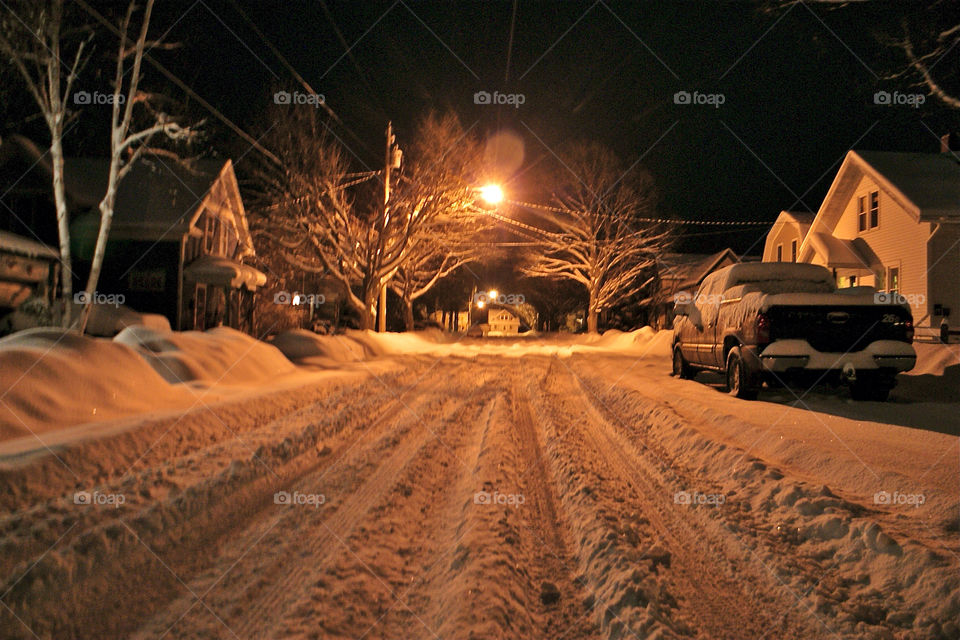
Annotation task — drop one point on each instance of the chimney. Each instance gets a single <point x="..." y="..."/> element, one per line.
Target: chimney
<point x="949" y="142"/>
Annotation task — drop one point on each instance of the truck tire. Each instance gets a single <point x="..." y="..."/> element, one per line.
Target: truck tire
<point x="741" y="382"/>
<point x="682" y="368"/>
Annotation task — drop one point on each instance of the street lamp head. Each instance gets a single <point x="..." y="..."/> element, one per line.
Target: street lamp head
<point x="493" y="294"/>
<point x="492" y="193"/>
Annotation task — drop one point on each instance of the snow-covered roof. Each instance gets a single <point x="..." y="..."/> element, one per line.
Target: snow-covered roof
<point x="799" y="218"/>
<point x="689" y="269"/>
<point x="157" y="200"/>
<point x="155" y="195"/>
<point x="930" y="181"/>
<point x="841" y="252"/>
<point x="12" y="243"/>
<point x="223" y="272"/>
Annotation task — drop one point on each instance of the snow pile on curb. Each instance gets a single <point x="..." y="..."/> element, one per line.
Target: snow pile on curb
<point x="53" y="378"/>
<point x="217" y="356"/>
<point x="935" y="359"/>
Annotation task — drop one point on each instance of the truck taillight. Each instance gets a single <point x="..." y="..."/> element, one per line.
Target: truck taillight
<point x="762" y="328"/>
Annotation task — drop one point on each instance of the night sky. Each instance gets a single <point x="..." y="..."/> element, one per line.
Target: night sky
<point x="797" y="85"/>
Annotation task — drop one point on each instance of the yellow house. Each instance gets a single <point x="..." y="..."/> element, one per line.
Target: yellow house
<point x="502" y="323"/>
<point x="891" y="220"/>
<point x="785" y="237"/>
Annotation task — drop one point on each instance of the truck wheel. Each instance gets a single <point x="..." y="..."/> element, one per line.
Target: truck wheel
<point x="740" y="380"/>
<point x="681" y="368"/>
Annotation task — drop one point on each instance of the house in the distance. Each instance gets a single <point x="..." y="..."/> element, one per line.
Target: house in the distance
<point x="501" y="322"/>
<point x="785" y="237"/>
<point x="891" y="220"/>
<point x="683" y="272"/>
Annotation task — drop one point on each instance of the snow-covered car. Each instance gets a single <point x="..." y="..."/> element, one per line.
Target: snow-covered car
<point x="785" y="323"/>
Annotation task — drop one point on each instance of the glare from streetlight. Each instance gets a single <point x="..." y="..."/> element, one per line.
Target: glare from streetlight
<point x="492" y="294"/>
<point x="492" y="193"/>
<point x="479" y="304"/>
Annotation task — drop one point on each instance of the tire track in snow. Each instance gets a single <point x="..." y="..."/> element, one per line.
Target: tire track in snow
<point x="301" y="539"/>
<point x="711" y="592"/>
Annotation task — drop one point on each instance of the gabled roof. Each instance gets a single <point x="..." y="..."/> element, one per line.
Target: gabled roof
<point x="689" y="269"/>
<point x="799" y="220"/>
<point x="802" y="219"/>
<point x="160" y="199"/>
<point x="927" y="185"/>
<point x="161" y="194"/>
<point x="930" y="181"/>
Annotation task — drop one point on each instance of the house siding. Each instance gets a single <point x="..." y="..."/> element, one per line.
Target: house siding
<point x="781" y="236"/>
<point x="944" y="277"/>
<point x="898" y="241"/>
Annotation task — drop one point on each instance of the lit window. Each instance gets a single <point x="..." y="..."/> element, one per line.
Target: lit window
<point x="893" y="277"/>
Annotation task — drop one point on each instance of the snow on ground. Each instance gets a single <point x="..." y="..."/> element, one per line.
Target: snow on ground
<point x="538" y="486"/>
<point x="52" y="378"/>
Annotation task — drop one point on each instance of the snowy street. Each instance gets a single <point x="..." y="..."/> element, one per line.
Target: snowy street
<point x="468" y="492"/>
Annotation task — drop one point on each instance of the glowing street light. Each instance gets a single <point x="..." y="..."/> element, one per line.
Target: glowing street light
<point x="492" y="294"/>
<point x="492" y="193"/>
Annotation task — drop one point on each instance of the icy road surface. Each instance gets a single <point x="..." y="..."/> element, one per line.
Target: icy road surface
<point x="583" y="496"/>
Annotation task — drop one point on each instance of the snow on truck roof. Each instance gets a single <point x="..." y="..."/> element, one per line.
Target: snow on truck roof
<point x="746" y="272"/>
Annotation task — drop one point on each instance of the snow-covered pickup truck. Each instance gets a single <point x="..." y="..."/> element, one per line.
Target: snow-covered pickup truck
<point x="785" y="323"/>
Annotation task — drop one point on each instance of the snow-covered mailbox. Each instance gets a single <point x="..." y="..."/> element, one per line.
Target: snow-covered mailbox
<point x="178" y="243"/>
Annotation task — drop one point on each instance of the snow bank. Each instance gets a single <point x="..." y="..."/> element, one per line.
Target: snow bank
<point x="308" y="348"/>
<point x="935" y="359"/>
<point x="53" y="378"/>
<point x="109" y="320"/>
<point x="221" y="355"/>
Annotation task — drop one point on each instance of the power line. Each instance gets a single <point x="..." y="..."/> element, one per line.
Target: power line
<point x="180" y="83"/>
<point x="739" y="223"/>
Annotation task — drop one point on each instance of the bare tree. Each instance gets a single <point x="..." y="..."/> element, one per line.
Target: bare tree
<point x="926" y="39"/>
<point x="324" y="227"/>
<point x="127" y="146"/>
<point x="32" y="37"/>
<point x="922" y="63"/>
<point x="442" y="251"/>
<point x="600" y="240"/>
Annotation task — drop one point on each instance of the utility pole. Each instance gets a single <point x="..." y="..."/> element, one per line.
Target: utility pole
<point x="391" y="161"/>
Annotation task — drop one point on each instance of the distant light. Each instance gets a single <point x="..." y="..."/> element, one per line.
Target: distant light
<point x="492" y="193"/>
<point x="492" y="294"/>
<point x="296" y="299"/>
<point x="480" y="304"/>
